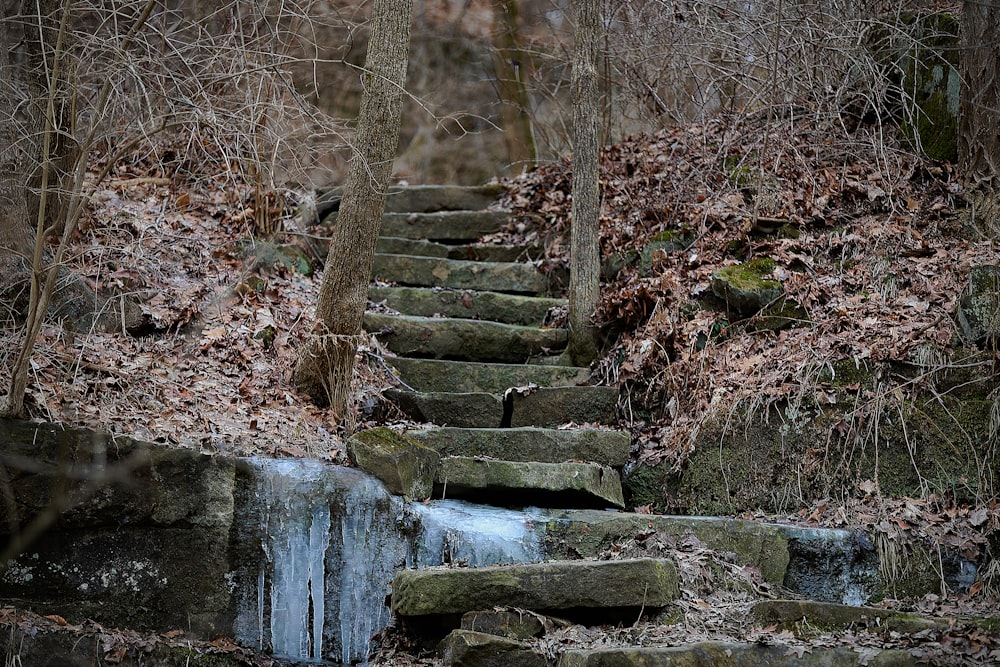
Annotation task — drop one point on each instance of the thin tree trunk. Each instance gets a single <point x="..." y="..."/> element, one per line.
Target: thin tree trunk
<point x="509" y="67"/>
<point x="326" y="363"/>
<point x="584" y="288"/>
<point x="979" y="113"/>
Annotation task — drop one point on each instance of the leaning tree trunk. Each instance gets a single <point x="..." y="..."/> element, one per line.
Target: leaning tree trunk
<point x="326" y="363"/>
<point x="979" y="113"/>
<point x="584" y="272"/>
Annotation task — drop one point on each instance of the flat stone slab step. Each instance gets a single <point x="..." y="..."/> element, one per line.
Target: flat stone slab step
<point x="421" y="198"/>
<point x="798" y="616"/>
<point x="465" y="304"/>
<point x="587" y="533"/>
<point x="472" y="340"/>
<point x="452" y="226"/>
<point x="608" y="448"/>
<point x="727" y="654"/>
<point x="433" y="375"/>
<point x="478" y="252"/>
<point x="514" y="277"/>
<point x="528" y="483"/>
<point x="552" y="406"/>
<point x="544" y="407"/>
<point x="647" y="583"/>
<point x="465" y="410"/>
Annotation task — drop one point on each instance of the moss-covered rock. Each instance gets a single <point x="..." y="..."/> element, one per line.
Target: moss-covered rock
<point x="406" y="467"/>
<point x="979" y="310"/>
<point x="558" y="585"/>
<point x="748" y="287"/>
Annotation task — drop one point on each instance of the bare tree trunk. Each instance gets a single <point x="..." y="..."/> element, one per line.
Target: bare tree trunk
<point x="584" y="275"/>
<point x="509" y="67"/>
<point x="979" y="113"/>
<point x="326" y="363"/>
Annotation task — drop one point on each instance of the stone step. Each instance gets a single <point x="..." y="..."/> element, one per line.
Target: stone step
<point x="462" y="410"/>
<point x="467" y="648"/>
<point x="471" y="340"/>
<point x="528" y="483"/>
<point x="465" y="304"/>
<point x="544" y="407"/>
<point x="453" y="226"/>
<point x="609" y="448"/>
<point x="728" y="654"/>
<point x="432" y="375"/>
<point x="801" y="616"/>
<point x="519" y="278"/>
<point x="421" y="198"/>
<point x="552" y="406"/>
<point x="588" y="533"/>
<point x="478" y="252"/>
<point x="562" y="585"/>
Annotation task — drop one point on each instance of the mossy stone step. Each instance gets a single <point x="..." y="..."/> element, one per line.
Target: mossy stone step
<point x="647" y="583"/>
<point x="728" y="654"/>
<point x="465" y="304"/>
<point x="472" y="340"/>
<point x="421" y="198"/>
<point x="609" y="448"/>
<point x="432" y="375"/>
<point x="478" y="252"/>
<point x="518" y="278"/>
<point x="587" y="533"/>
<point x="454" y="226"/>
<point x="529" y="483"/>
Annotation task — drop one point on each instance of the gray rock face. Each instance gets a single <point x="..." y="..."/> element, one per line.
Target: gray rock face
<point x="465" y="304"/>
<point x="648" y="583"/>
<point x="725" y="654"/>
<point x="609" y="448"/>
<point x="522" y="483"/>
<point x="463" y="339"/>
<point x="464" y="648"/>
<point x="435" y="375"/>
<point x="121" y="552"/>
<point x="406" y="467"/>
<point x="979" y="310"/>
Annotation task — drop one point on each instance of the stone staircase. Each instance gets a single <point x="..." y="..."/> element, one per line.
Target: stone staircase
<point x="504" y="423"/>
<point x="475" y="361"/>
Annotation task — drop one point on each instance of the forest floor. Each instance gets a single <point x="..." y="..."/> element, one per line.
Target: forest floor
<point x="865" y="235"/>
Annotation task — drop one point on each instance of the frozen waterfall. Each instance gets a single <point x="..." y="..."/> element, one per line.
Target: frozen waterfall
<point x="323" y="543"/>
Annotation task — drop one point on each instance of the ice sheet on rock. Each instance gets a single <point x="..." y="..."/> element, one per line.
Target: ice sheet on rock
<point x="454" y="531"/>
